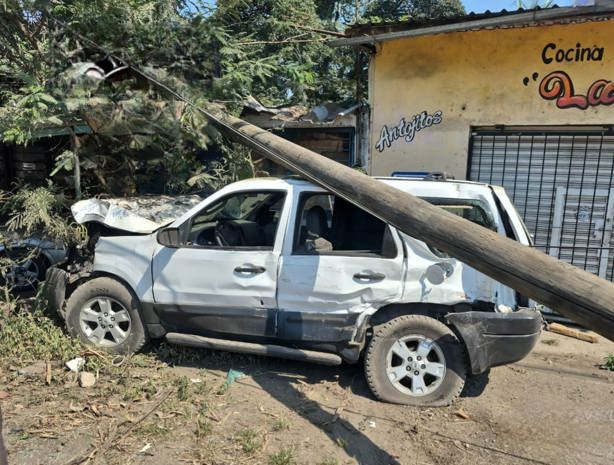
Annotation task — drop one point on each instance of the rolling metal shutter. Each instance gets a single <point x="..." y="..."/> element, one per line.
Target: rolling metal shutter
<point x="562" y="185"/>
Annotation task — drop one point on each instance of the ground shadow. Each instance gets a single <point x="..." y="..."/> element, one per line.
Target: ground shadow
<point x="475" y="384"/>
<point x="279" y="379"/>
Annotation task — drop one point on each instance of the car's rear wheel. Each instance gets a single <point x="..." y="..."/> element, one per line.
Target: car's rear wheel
<point x="103" y="313"/>
<point x="415" y="360"/>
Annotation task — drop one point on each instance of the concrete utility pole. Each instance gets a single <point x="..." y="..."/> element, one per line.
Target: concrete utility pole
<point x="575" y="293"/>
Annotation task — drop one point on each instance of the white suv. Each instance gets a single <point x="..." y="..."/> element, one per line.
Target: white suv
<point x="282" y="267"/>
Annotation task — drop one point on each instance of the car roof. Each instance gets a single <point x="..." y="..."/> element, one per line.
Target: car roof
<point x="416" y="185"/>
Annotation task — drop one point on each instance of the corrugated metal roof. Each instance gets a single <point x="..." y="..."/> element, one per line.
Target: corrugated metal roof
<point x="372" y="33"/>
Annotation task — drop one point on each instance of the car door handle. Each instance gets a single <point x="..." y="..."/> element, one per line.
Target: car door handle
<point x="368" y="276"/>
<point x="250" y="269"/>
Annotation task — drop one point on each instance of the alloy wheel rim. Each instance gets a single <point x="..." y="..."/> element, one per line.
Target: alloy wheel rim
<point x="105" y="322"/>
<point x="415" y="365"/>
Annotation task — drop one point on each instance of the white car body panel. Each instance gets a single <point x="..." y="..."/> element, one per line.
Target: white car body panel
<point x="299" y="283"/>
<point x="129" y="258"/>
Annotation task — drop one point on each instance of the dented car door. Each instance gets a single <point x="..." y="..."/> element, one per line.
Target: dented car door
<point x="223" y="278"/>
<point x="338" y="263"/>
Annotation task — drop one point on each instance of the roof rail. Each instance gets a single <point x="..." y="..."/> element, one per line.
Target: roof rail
<point x="424" y="175"/>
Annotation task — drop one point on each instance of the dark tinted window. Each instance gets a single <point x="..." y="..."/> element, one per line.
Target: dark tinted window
<point x="327" y="224"/>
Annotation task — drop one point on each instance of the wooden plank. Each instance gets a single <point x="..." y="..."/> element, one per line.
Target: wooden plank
<point x="565" y="331"/>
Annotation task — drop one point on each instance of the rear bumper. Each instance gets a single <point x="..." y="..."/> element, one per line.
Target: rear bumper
<point x="494" y="339"/>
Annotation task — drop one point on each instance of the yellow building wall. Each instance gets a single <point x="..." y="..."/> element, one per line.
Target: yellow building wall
<point x="484" y="78"/>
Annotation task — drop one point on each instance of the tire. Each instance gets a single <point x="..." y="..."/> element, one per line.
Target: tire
<point x="396" y="379"/>
<point x="103" y="313"/>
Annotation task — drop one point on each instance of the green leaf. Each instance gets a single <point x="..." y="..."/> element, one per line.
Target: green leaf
<point x="55" y="121"/>
<point x="64" y="161"/>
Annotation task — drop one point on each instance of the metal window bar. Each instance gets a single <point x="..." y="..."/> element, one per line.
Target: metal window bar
<point x="563" y="186"/>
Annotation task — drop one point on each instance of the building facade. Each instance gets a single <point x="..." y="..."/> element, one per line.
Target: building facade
<point x="524" y="100"/>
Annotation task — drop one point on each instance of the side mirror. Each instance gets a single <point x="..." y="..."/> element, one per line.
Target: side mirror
<point x="169" y="237"/>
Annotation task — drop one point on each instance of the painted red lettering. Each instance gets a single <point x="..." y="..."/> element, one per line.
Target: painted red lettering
<point x="607" y="96"/>
<point x="595" y="92"/>
<point x="558" y="86"/>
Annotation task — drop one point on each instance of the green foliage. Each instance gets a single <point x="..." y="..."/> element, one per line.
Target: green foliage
<point x="344" y="12"/>
<point x="48" y="79"/>
<point x="139" y="390"/>
<point x="285" y="456"/>
<point x="183" y="388"/>
<point x="250" y="440"/>
<point x="133" y="132"/>
<point x="27" y="335"/>
<point x="329" y="461"/>
<point x="64" y="161"/>
<point x="236" y="164"/>
<point x="41" y="212"/>
<point x="608" y="364"/>
<point x="293" y="65"/>
<point x="394" y="10"/>
<point x="281" y="423"/>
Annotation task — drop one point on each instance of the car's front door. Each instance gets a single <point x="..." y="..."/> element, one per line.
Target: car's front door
<point x="340" y="263"/>
<point x="224" y="277"/>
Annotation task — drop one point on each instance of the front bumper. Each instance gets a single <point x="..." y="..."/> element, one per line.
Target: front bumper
<point x="494" y="339"/>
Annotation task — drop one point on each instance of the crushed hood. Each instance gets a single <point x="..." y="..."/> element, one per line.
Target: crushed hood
<point x="141" y="215"/>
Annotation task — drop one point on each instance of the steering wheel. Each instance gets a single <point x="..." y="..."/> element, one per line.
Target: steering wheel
<point x="228" y="234"/>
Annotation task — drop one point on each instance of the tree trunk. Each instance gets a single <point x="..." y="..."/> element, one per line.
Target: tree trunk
<point x="75" y="145"/>
<point x="575" y="293"/>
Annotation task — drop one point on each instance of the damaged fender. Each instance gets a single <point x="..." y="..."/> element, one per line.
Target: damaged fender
<point x="494" y="339"/>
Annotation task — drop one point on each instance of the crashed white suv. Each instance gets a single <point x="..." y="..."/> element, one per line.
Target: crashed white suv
<point x="281" y="267"/>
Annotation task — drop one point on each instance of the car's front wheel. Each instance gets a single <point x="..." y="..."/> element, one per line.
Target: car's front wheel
<point x="103" y="313"/>
<point x="415" y="360"/>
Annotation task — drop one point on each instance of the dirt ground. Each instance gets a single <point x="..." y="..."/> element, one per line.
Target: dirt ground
<point x="174" y="406"/>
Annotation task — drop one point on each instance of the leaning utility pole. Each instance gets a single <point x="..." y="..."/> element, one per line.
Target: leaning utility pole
<point x="575" y="293"/>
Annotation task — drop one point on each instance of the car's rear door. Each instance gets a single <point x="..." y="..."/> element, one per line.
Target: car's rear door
<point x="338" y="262"/>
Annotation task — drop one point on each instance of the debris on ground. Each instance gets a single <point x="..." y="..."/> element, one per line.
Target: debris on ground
<point x="36" y="369"/>
<point x="145" y="448"/>
<point x="75" y="364"/>
<point x="151" y="410"/>
<point x="231" y="377"/>
<point x="565" y="331"/>
<point x="87" y="379"/>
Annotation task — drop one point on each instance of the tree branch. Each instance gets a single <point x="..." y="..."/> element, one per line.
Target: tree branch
<point x="279" y="42"/>
<point x="320" y="31"/>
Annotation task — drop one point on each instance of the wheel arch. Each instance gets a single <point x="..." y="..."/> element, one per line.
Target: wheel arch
<point x="391" y="311"/>
<point x="73" y="285"/>
<point x="436" y="311"/>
